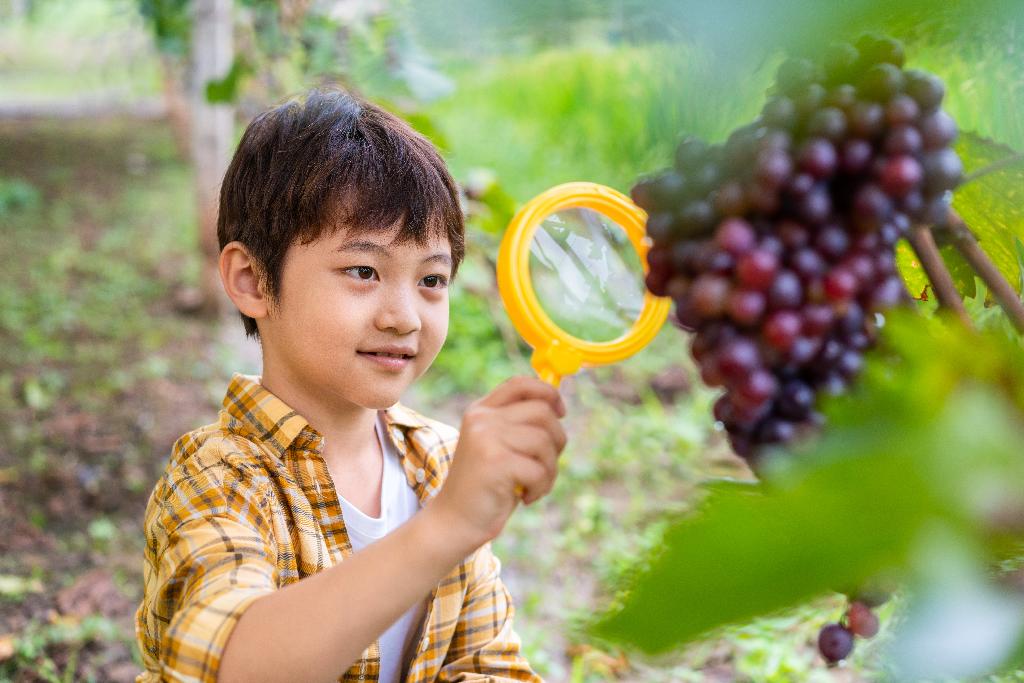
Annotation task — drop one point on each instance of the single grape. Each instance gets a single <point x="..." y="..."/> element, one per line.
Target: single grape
<point x="746" y="306"/>
<point x="738" y="358"/>
<point x="835" y="643"/>
<point x="856" y="156"/>
<point x="793" y="235"/>
<point x="871" y="207"/>
<point x="756" y="389"/>
<point x="781" y="329"/>
<point x="881" y="82"/>
<point x="773" y="168"/>
<point x="816" y="206"/>
<point x="832" y="241"/>
<point x="867" y="119"/>
<point x="796" y="400"/>
<point x="735" y="236"/>
<point x="774" y="430"/>
<point x="730" y="199"/>
<point x="818" y="157"/>
<point x="861" y="621"/>
<point x="925" y="88"/>
<point x="903" y="140"/>
<point x="668" y="190"/>
<point x="900" y="175"/>
<point x="943" y="170"/>
<point x="786" y="291"/>
<point x="902" y="110"/>
<point x="842" y="97"/>
<point x="807" y="263"/>
<point x="840" y="284"/>
<point x="696" y="217"/>
<point x="817" y="319"/>
<point x="709" y="295"/>
<point x="840" y="60"/>
<point x="794" y="74"/>
<point x="810" y="99"/>
<point x="756" y="269"/>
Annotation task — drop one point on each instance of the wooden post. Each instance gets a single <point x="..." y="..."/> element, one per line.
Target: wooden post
<point x="212" y="134"/>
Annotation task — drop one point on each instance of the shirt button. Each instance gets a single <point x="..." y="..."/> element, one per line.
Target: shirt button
<point x="421" y="475"/>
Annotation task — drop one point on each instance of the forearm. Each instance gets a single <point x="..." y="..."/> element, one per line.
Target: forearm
<point x="320" y="625"/>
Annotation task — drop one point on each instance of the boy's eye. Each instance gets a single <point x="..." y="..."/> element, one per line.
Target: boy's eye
<point x="435" y="281"/>
<point x="361" y="272"/>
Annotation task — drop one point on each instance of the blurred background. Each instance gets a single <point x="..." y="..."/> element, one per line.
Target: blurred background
<point x="117" y="118"/>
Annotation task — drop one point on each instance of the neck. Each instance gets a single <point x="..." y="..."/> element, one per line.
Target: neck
<point x="347" y="428"/>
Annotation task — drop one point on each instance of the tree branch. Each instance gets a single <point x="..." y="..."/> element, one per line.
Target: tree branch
<point x="923" y="242"/>
<point x="967" y="244"/>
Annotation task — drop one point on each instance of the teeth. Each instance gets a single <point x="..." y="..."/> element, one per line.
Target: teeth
<point x="390" y="355"/>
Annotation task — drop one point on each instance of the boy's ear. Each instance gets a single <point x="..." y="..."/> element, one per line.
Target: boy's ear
<point x="241" y="279"/>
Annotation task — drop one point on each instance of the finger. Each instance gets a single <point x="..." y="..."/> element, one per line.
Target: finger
<point x="533" y="442"/>
<point x="539" y="414"/>
<point x="530" y="476"/>
<point x="522" y="389"/>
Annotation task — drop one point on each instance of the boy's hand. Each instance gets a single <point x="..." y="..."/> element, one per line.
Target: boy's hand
<point x="509" y="439"/>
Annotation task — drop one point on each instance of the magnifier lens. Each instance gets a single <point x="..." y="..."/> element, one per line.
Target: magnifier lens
<point x="586" y="274"/>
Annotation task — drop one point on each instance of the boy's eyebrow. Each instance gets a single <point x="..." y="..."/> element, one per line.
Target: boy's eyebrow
<point x="373" y="247"/>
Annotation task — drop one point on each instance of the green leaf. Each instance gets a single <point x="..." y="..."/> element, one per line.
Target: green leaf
<point x="928" y="440"/>
<point x="225" y="90"/>
<point x="993" y="204"/>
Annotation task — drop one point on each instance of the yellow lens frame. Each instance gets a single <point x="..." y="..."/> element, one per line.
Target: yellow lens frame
<point x="556" y="352"/>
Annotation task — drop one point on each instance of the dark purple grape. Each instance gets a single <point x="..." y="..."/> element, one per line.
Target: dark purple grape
<point x="816" y="206"/>
<point x="746" y="306"/>
<point x="756" y="269"/>
<point x="718" y="261"/>
<point x="867" y="119"/>
<point x="871" y="207"/>
<point x="793" y="235"/>
<point x="850" y="363"/>
<point x="796" y="400"/>
<point x="835" y="643"/>
<point x="735" y="236"/>
<point x="808" y="264"/>
<point x="903" y="140"/>
<point x="786" y="291"/>
<point x="888" y="293"/>
<point x="900" y="175"/>
<point x="840" y="285"/>
<point x="856" y="156"/>
<point x="800" y="185"/>
<point x="781" y="329"/>
<point x="938" y="130"/>
<point x="709" y="295"/>
<point x="942" y="170"/>
<point x="738" y="358"/>
<point x="756" y="389"/>
<point x="804" y="349"/>
<point x="818" y="157"/>
<point x="774" y="430"/>
<point x="902" y="110"/>
<point x="925" y="88"/>
<point x="817" y="319"/>
<point x="773" y="168"/>
<point x="832" y="241"/>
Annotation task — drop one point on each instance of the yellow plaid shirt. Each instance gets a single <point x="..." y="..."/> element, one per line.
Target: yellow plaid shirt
<point x="246" y="506"/>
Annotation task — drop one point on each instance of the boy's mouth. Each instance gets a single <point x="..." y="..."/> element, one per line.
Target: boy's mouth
<point x="391" y="352"/>
<point x="385" y="355"/>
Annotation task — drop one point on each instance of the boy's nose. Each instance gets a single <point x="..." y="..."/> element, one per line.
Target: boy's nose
<point x="398" y="313"/>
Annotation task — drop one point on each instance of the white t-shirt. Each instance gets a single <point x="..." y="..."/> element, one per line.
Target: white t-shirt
<point x="398" y="503"/>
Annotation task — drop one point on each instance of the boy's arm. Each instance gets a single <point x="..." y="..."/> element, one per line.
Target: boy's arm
<point x="485" y="646"/>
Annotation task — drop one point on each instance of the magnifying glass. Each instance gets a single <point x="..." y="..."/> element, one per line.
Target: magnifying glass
<point x="571" y="275"/>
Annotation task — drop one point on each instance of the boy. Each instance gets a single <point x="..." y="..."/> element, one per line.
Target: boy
<point x="340" y="229"/>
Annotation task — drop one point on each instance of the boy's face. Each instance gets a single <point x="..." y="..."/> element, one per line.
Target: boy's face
<point x="346" y="299"/>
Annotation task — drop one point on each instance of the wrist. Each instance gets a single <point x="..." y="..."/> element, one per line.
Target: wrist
<point x="457" y="536"/>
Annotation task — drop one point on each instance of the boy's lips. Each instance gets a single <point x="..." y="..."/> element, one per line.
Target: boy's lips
<point x="389" y="357"/>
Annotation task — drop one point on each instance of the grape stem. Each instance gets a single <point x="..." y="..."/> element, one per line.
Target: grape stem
<point x="994" y="167"/>
<point x="923" y="242"/>
<point x="967" y="244"/>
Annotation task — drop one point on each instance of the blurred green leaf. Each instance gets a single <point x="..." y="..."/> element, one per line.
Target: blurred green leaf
<point x="929" y="439"/>
<point x="225" y="90"/>
<point x="993" y="205"/>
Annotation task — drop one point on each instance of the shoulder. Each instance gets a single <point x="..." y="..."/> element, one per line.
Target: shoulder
<point x="211" y="472"/>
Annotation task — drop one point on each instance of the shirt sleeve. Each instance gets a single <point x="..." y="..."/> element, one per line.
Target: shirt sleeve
<point x="218" y="558"/>
<point x="485" y="646"/>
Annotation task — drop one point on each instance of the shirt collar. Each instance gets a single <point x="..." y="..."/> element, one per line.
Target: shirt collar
<point x="253" y="409"/>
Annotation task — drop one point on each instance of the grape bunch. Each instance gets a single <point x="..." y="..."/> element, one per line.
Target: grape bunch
<point x="777" y="246"/>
